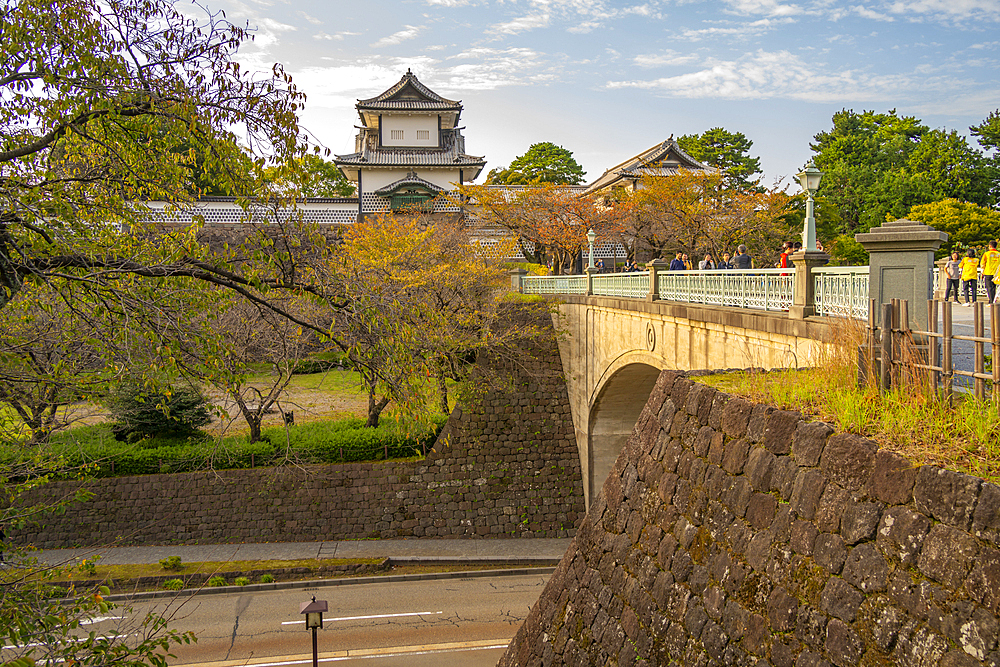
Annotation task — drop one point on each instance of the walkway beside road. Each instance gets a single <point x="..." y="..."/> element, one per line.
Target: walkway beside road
<point x="524" y="551"/>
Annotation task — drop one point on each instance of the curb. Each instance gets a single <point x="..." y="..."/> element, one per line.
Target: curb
<point x="325" y="583"/>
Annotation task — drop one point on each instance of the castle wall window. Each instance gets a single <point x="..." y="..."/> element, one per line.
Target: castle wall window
<point x="423" y="135"/>
<point x="396" y="135"/>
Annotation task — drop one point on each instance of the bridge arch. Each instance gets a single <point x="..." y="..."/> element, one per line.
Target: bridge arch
<point x="618" y="399"/>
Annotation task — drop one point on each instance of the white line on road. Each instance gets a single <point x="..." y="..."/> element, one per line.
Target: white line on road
<point x="365" y="618"/>
<point x="375" y="654"/>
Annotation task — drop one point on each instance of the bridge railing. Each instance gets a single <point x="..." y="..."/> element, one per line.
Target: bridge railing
<point x="554" y="284"/>
<point x="842" y="291"/>
<point x="756" y="289"/>
<point x="634" y="285"/>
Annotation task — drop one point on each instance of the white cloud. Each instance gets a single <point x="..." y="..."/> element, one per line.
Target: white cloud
<point x="738" y="31"/>
<point x="311" y="19"/>
<point x="780" y="74"/>
<point x="450" y="3"/>
<point x="765" y="7"/>
<point x="339" y="36"/>
<point x="871" y="14"/>
<point x="954" y="11"/>
<point x="664" y="59"/>
<point x="521" y="24"/>
<point x="409" y="32"/>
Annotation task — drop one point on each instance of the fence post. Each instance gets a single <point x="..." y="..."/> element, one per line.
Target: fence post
<point x="980" y="367"/>
<point x="946" y="374"/>
<point x="995" y="344"/>
<point x="590" y="271"/>
<point x="654" y="268"/>
<point x="933" y="359"/>
<point x="804" y="290"/>
<point x="885" y="356"/>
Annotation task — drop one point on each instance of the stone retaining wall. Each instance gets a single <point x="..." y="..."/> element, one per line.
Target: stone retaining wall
<point x="735" y="534"/>
<point x="506" y="467"/>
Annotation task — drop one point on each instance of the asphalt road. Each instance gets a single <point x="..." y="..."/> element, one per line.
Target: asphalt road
<point x="465" y="621"/>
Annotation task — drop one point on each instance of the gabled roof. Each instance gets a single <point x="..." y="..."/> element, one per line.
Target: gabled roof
<point x="409" y="94"/>
<point x="450" y="154"/>
<point x="663" y="159"/>
<point x="410" y="180"/>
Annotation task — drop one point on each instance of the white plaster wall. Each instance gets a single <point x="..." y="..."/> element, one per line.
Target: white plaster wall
<point x="373" y="179"/>
<point x="409" y="125"/>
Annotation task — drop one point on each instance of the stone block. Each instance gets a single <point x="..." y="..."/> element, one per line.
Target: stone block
<point x="810" y="627"/>
<point x="829" y="552"/>
<point x="735" y="456"/>
<point x="840" y="599"/>
<point x="830" y="508"/>
<point x="703" y="441"/>
<point x="901" y="533"/>
<point x="958" y="659"/>
<point x="843" y="644"/>
<point x="947" y="555"/>
<point x="782" y="608"/>
<point x="983" y="584"/>
<point x="892" y="478"/>
<point x="758" y="422"/>
<point x="759" y="468"/>
<point x="986" y="516"/>
<point x="761" y="509"/>
<point x="781" y="425"/>
<point x="806" y="491"/>
<point x="808" y="442"/>
<point x="718" y="410"/>
<point x="847" y="460"/>
<point x="803" y="537"/>
<point x="949" y="497"/>
<point x="699" y="402"/>
<point x="859" y="521"/>
<point x="736" y="418"/>
<point x="866" y="568"/>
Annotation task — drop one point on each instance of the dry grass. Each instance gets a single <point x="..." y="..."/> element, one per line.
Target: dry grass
<point x="910" y="420"/>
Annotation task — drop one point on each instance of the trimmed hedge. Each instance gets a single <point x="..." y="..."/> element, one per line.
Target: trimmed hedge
<point x="341" y="441"/>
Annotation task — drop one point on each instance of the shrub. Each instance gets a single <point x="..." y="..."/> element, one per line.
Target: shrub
<point x="172" y="563"/>
<point x="173" y="584"/>
<point x="140" y="412"/>
<point x="241" y="581"/>
<point x="217" y="581"/>
<point x="89" y="566"/>
<point x="267" y="579"/>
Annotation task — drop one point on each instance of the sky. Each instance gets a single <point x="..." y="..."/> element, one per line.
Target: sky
<point x="608" y="79"/>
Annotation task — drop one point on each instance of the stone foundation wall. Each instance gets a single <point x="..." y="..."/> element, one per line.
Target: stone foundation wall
<point x="507" y="466"/>
<point x="735" y="534"/>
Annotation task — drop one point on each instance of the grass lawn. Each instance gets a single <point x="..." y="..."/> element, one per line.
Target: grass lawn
<point x="964" y="437"/>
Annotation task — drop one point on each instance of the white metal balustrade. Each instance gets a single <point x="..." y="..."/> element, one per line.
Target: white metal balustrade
<point x="842" y="291"/>
<point x="555" y="284"/>
<point x="630" y="285"/>
<point x="755" y="289"/>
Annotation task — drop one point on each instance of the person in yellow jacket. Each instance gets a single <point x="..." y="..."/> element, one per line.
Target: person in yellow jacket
<point x="991" y="262"/>
<point x="970" y="271"/>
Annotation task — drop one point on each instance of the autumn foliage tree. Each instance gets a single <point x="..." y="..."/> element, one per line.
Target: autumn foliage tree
<point x="545" y="220"/>
<point x="694" y="211"/>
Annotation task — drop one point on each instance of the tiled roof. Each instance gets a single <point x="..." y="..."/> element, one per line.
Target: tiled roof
<point x="426" y="98"/>
<point x="450" y="154"/>
<point x="645" y="164"/>
<point x="410" y="179"/>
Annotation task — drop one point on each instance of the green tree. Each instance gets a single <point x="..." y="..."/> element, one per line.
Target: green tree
<point x="988" y="133"/>
<point x="967" y="224"/>
<point x="877" y="166"/>
<point x="727" y="151"/>
<point x="542" y="163"/>
<point x="314" y="176"/>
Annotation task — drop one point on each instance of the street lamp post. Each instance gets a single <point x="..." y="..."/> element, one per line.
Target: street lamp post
<point x="314" y="621"/>
<point x="809" y="178"/>
<point x="591" y="237"/>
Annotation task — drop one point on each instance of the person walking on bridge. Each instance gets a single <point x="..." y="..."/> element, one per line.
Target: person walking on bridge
<point x="677" y="264"/>
<point x="991" y="262"/>
<point x="742" y="259"/>
<point x="953" y="269"/>
<point x="970" y="272"/>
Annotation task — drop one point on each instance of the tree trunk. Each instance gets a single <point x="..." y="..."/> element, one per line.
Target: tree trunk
<point x="375" y="409"/>
<point x="254" y="422"/>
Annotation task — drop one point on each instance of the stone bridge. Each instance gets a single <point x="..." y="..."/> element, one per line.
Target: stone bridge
<point x="613" y="349"/>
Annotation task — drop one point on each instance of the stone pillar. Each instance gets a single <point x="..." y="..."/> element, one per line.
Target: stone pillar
<point x="590" y="271"/>
<point x="805" y="261"/>
<point x="515" y="279"/>
<point x="654" y="268"/>
<point x="942" y="278"/>
<point x="900" y="264"/>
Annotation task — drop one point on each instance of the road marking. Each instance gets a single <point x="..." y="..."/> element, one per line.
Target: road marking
<point x="365" y="618"/>
<point x="360" y="654"/>
<point x="98" y="619"/>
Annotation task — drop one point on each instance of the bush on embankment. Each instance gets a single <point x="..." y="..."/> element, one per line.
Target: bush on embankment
<point x="341" y="441"/>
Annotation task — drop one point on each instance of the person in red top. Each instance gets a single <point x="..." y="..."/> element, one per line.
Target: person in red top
<point x="786" y="249"/>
